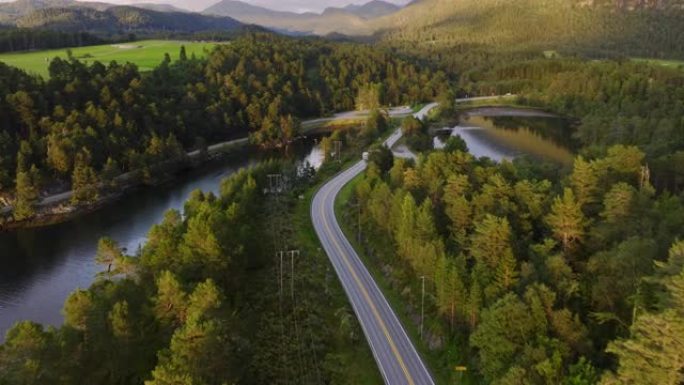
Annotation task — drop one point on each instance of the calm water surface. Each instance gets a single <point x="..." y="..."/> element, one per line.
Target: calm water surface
<point x="39" y="268"/>
<point x="507" y="137"/>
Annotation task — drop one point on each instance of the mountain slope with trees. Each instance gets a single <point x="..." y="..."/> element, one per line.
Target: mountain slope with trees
<point x="11" y="11"/>
<point x="123" y="19"/>
<point x="87" y="124"/>
<point x="532" y="277"/>
<point x="652" y="28"/>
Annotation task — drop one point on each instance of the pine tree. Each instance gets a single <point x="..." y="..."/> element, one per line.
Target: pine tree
<point x="120" y="321"/>
<point x="506" y="276"/>
<point x="84" y="181"/>
<point x="654" y="353"/>
<point x="407" y="226"/>
<point x="451" y="296"/>
<point x="457" y="208"/>
<point x="108" y="251"/>
<point x="567" y="220"/>
<point x="584" y="181"/>
<point x="618" y="202"/>
<point x="110" y="171"/>
<point x="447" y="103"/>
<point x="170" y="303"/>
<point x="369" y="97"/>
<point x="27" y="192"/>
<point x="78" y="309"/>
<point x="197" y="352"/>
<point x="411" y="126"/>
<point x="475" y="304"/>
<point x="28" y="355"/>
<point x="491" y="241"/>
<point x="290" y="128"/>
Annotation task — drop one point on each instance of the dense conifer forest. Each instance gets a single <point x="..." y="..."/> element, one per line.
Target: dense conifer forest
<point x="535" y="273"/>
<point x="14" y="40"/>
<point x="592" y="28"/>
<point x="546" y="280"/>
<point x="88" y="124"/>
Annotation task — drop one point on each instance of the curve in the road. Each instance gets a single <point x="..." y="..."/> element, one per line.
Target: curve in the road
<point x="397" y="358"/>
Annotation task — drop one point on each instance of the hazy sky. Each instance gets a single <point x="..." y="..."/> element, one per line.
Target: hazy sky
<point x="284" y="5"/>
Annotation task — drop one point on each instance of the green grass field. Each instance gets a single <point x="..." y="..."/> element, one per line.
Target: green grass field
<point x="145" y="54"/>
<point x="664" y="63"/>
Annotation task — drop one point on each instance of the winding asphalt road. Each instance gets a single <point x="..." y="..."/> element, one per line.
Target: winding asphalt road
<point x="394" y="353"/>
<point x="397" y="358"/>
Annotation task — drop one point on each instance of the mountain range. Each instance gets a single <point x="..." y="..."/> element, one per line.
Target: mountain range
<point x="350" y="20"/>
<point x="631" y="27"/>
<point x="104" y="18"/>
<point x="20" y="8"/>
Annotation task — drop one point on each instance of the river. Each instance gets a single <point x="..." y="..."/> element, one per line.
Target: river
<point x="40" y="267"/>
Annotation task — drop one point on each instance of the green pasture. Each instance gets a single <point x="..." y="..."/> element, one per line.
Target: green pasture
<point x="664" y="63"/>
<point x="145" y="54"/>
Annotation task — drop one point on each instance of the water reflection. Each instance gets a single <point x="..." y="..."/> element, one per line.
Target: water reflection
<point x="40" y="267"/>
<point x="506" y="137"/>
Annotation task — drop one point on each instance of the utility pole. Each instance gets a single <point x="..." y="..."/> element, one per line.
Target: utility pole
<point x="338" y="150"/>
<point x="275" y="183"/>
<point x="422" y="308"/>
<point x="280" y="276"/>
<point x="359" y="234"/>
<point x="292" y="258"/>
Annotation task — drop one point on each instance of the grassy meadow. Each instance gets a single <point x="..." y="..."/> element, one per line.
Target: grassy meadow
<point x="664" y="63"/>
<point x="145" y="54"/>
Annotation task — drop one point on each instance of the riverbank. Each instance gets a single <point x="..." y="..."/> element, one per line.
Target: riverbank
<point x="58" y="208"/>
<point x="497" y="111"/>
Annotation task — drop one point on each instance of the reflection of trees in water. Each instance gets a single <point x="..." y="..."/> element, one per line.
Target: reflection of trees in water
<point x="556" y="130"/>
<point x="515" y="136"/>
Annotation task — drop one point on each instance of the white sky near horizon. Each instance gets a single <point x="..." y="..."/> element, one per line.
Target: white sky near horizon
<point x="281" y="5"/>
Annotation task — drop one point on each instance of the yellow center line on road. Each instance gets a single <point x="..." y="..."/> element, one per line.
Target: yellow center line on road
<point x="364" y="291"/>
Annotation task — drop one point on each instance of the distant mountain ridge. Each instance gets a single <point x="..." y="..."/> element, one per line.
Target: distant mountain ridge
<point x="351" y="20"/>
<point x="121" y="19"/>
<point x="650" y="28"/>
<point x="372" y="10"/>
<point x="160" y="7"/>
<point x="12" y="11"/>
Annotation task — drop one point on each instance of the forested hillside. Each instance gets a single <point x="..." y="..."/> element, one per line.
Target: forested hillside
<point x="534" y="273"/>
<point x="13" y="40"/>
<point x="624" y="28"/>
<point x="615" y="103"/>
<point x="87" y="124"/>
<point x="532" y="278"/>
<point x="11" y="11"/>
<point x="115" y="20"/>
<point x="199" y="304"/>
